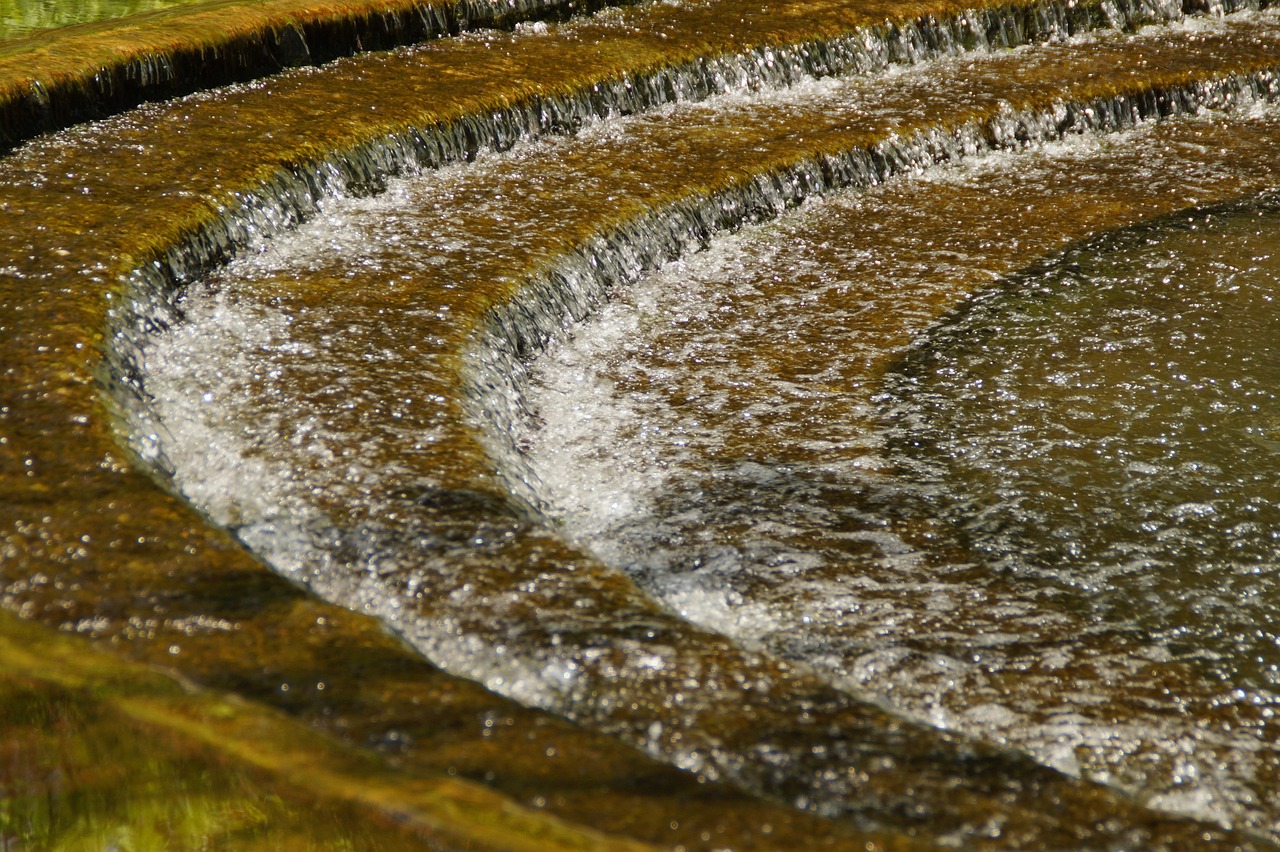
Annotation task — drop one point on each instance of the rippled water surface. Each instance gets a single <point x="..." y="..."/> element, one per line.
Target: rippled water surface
<point x="1047" y="525"/>
<point x="1109" y="423"/>
<point x="1037" y="517"/>
<point x="19" y="18"/>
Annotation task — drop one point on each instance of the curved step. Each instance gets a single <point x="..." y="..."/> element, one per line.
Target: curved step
<point x="61" y="721"/>
<point x="415" y="530"/>
<point x="169" y="616"/>
<point x="719" y="433"/>
<point x="52" y="80"/>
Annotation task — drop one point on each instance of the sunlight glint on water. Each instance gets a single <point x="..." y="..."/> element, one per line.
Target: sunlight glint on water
<point x="718" y="430"/>
<point x="1110" y="423"/>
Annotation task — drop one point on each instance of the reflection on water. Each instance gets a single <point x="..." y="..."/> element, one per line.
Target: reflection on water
<point x="781" y="602"/>
<point x="19" y="18"/>
<point x="1109" y="423"/>
<point x="719" y="430"/>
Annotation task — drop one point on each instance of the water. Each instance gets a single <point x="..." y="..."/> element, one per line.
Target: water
<point x="1150" y="429"/>
<point x="20" y="18"/>
<point x="1140" y="470"/>
<point x="724" y="430"/>
<point x="754" y="548"/>
<point x="461" y="638"/>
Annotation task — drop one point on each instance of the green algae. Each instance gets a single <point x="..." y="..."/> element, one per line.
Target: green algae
<point x="20" y="18"/>
<point x="103" y="753"/>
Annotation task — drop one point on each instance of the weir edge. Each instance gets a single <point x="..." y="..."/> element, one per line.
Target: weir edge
<point x="627" y="248"/>
<point x="293" y="192"/>
<point x="51" y="81"/>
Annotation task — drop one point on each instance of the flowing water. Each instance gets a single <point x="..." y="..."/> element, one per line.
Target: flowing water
<point x="805" y="429"/>
<point x="20" y="18"/>
<point x="894" y="497"/>
<point x="848" y="501"/>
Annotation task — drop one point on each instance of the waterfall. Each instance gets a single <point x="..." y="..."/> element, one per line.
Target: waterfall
<point x="576" y="285"/>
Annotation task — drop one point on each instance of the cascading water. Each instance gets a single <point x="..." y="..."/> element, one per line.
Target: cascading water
<point x="725" y="522"/>
<point x="758" y="490"/>
<point x="753" y="496"/>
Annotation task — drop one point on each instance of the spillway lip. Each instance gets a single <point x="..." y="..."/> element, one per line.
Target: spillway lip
<point x="344" y="165"/>
<point x="353" y="172"/>
<point x="293" y="194"/>
<point x="58" y="78"/>
<point x="568" y="290"/>
<point x="777" y="189"/>
<point x="946" y="330"/>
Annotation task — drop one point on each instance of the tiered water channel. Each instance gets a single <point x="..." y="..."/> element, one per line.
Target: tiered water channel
<point x="687" y="428"/>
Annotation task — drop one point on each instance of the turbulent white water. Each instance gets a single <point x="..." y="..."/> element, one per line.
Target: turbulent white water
<point x="718" y="432"/>
<point x="695" y="433"/>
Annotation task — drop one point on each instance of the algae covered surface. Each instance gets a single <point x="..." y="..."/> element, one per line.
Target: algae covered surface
<point x="102" y="753"/>
<point x="19" y="18"/>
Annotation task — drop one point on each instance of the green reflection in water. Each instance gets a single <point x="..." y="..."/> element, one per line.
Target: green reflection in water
<point x="88" y="763"/>
<point x="100" y="753"/>
<point x="19" y="18"/>
<point x="1111" y="422"/>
